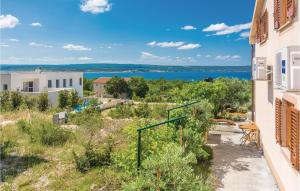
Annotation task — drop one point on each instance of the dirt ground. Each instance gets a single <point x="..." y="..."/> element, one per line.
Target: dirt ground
<point x="238" y="167"/>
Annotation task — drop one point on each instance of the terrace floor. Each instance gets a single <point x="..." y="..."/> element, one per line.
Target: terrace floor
<point x="238" y="167"/>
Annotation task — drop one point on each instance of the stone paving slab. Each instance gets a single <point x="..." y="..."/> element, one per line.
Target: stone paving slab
<point x="236" y="167"/>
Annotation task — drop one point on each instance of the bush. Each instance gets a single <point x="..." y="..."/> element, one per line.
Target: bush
<point x="173" y="169"/>
<point x="44" y="132"/>
<point x="5" y="148"/>
<point x="142" y="110"/>
<point x="16" y="99"/>
<point x="93" y="158"/>
<point x="63" y="99"/>
<point x="43" y="102"/>
<point x="121" y="112"/>
<point x="74" y="98"/>
<point x="30" y="102"/>
<point x="5" y="101"/>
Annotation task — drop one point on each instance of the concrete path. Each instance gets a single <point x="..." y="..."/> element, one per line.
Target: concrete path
<point x="238" y="167"/>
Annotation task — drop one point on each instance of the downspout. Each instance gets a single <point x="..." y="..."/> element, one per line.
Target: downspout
<point x="253" y="84"/>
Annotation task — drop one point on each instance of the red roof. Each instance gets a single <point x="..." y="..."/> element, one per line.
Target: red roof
<point x="104" y="80"/>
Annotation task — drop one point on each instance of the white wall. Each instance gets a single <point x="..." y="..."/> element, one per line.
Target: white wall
<point x="75" y="76"/>
<point x="5" y="79"/>
<point x="265" y="94"/>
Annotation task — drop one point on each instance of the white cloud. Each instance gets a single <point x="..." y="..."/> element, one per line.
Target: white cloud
<point x="223" y="29"/>
<point x="244" y="35"/>
<point x="8" y="21"/>
<point x="13" y="40"/>
<point x="85" y="58"/>
<point x="188" y="27"/>
<point x="147" y="56"/>
<point x="189" y="46"/>
<point x="165" y="44"/>
<point x="199" y="55"/>
<point x="3" y="45"/>
<point x="228" y="57"/>
<point x="215" y="27"/>
<point x="76" y="47"/>
<point x="40" y="45"/>
<point x="36" y="24"/>
<point x="208" y="56"/>
<point x="95" y="6"/>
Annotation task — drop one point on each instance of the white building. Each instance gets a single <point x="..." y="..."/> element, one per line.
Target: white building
<point x="275" y="39"/>
<point x="36" y="82"/>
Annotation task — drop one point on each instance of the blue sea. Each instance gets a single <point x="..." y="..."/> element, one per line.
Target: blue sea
<point x="190" y="73"/>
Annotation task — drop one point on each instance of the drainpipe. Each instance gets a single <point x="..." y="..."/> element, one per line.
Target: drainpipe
<point x="253" y="83"/>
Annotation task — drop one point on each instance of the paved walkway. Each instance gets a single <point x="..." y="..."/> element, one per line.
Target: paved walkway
<point x="238" y="167"/>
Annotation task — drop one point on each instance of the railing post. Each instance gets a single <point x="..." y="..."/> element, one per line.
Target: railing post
<point x="168" y="117"/>
<point x="139" y="149"/>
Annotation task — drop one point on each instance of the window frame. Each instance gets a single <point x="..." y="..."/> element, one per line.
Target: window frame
<point x="57" y="83"/>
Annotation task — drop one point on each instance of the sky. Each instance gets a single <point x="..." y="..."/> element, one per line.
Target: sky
<point x="163" y="32"/>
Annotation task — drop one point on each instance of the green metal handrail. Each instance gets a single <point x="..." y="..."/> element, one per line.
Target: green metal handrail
<point x="139" y="145"/>
<point x="181" y="106"/>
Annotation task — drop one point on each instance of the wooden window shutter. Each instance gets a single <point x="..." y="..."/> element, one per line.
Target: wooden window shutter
<point x="295" y="126"/>
<point x="276" y="14"/>
<point x="290" y="8"/>
<point x="278" y="118"/>
<point x="258" y="30"/>
<point x="266" y="24"/>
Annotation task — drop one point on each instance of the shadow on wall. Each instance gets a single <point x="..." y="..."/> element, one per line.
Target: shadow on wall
<point x="270" y="93"/>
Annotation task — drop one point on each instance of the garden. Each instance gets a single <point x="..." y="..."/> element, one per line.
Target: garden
<point x="101" y="152"/>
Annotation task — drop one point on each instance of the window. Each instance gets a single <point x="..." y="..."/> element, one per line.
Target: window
<point x="64" y="83"/>
<point x="57" y="83"/>
<point x="5" y="87"/>
<point x="284" y="12"/>
<point x="80" y="81"/>
<point x="262" y="30"/>
<point x="71" y="82"/>
<point x="49" y="83"/>
<point x="287" y="130"/>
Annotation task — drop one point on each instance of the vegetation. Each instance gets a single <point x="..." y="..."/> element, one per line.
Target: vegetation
<point x="138" y="86"/>
<point x="97" y="152"/>
<point x="43" y="102"/>
<point x="117" y="86"/>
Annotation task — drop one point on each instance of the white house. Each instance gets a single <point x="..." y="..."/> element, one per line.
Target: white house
<point x="35" y="82"/>
<point x="275" y="41"/>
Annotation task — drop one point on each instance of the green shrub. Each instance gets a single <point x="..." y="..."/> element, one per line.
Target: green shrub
<point x="121" y="112"/>
<point x="63" y="99"/>
<point x="5" y="101"/>
<point x="5" y="148"/>
<point x="142" y="110"/>
<point x="44" y="132"/>
<point x="30" y="102"/>
<point x="93" y="157"/>
<point x="175" y="171"/>
<point x="74" y="98"/>
<point x="16" y="99"/>
<point x="43" y="102"/>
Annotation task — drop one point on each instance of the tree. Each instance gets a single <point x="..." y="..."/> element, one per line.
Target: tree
<point x="87" y="84"/>
<point x="16" y="99"/>
<point x="74" y="98"/>
<point x="63" y="99"/>
<point x="138" y="86"/>
<point x="43" y="102"/>
<point x="169" y="170"/>
<point x="116" y="86"/>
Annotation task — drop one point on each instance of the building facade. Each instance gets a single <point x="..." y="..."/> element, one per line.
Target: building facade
<point x="98" y="86"/>
<point x="34" y="83"/>
<point x="275" y="41"/>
